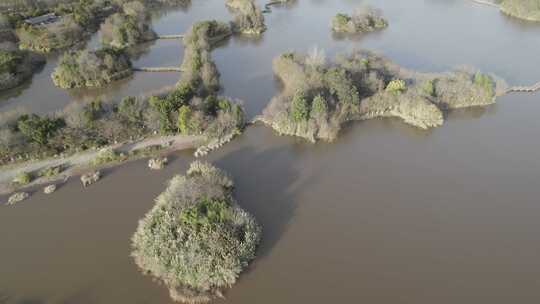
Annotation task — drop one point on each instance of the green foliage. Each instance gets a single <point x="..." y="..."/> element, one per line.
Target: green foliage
<point x="107" y="155"/>
<point x="22" y="178"/>
<point x="131" y="110"/>
<point x="38" y="129"/>
<point x="91" y="68"/>
<point x="16" y="66"/>
<point x="93" y="111"/>
<point x="249" y="18"/>
<point x="396" y="86"/>
<point x="340" y="84"/>
<point x="9" y="61"/>
<point x="207" y="214"/>
<point x="340" y="22"/>
<point x="127" y="28"/>
<point x="484" y="81"/>
<point x="167" y="106"/>
<point x="364" y="20"/>
<point x="319" y="107"/>
<point x="428" y="88"/>
<point x="51" y="171"/>
<point x="299" y="107"/>
<point x="196" y="239"/>
<point x="60" y="35"/>
<point x="199" y="70"/>
<point x="184" y="120"/>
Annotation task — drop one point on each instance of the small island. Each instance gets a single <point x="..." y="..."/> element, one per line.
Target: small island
<point x="196" y="239"/>
<point x="249" y="18"/>
<point x="91" y="68"/>
<point x="128" y="27"/>
<point x="364" y="20"/>
<point x="319" y="97"/>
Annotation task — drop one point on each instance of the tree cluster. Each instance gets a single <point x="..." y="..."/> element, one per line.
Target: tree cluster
<point x="196" y="239"/>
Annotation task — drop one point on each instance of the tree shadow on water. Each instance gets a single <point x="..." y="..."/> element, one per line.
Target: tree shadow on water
<point x="264" y="187"/>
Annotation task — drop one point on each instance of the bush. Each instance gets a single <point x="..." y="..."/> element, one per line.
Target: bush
<point x="429" y="88"/>
<point x="319" y="108"/>
<point x="199" y="70"/>
<point x="396" y="86"/>
<point x="127" y="28"/>
<point x="91" y="68"/>
<point x="485" y="82"/>
<point x="363" y="20"/>
<point x="299" y="108"/>
<point x="131" y="110"/>
<point x="22" y="178"/>
<point x="107" y="155"/>
<point x="51" y="171"/>
<point x="16" y="66"/>
<point x="196" y="239"/>
<point x="249" y="18"/>
<point x="38" y="129"/>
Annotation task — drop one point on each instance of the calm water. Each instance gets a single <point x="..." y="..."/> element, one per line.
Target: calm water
<point x="387" y="214"/>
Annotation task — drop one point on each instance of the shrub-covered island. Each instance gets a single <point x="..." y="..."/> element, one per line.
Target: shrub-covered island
<point x="194" y="107"/>
<point x="362" y="21"/>
<point x="46" y="26"/>
<point x="128" y="27"/>
<point x="196" y="239"/>
<point x="523" y="9"/>
<point x="249" y="18"/>
<point x="191" y="108"/>
<point x="86" y="68"/>
<point x="16" y="66"/>
<point x="318" y="97"/>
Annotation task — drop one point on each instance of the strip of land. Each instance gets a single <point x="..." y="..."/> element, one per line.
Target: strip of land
<point x="79" y="162"/>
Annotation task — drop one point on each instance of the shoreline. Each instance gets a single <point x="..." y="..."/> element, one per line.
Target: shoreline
<point x="79" y="163"/>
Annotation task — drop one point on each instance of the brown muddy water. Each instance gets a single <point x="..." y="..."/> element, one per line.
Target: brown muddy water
<point x="386" y="214"/>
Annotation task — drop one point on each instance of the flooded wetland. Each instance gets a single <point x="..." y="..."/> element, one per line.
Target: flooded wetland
<point x="385" y="214"/>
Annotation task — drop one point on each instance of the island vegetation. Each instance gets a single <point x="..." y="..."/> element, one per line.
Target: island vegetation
<point x="196" y="239"/>
<point x="319" y="97"/>
<point x="86" y="68"/>
<point x="523" y="9"/>
<point x="47" y="26"/>
<point x="191" y="109"/>
<point x="17" y="66"/>
<point x="128" y="27"/>
<point x="363" y="20"/>
<point x="70" y="23"/>
<point x="249" y="18"/>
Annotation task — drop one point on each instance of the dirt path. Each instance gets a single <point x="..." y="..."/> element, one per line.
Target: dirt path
<point x="79" y="161"/>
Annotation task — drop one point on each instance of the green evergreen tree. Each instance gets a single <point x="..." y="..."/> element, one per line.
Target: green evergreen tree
<point x="299" y="107"/>
<point x="319" y="108"/>
<point x="184" y="117"/>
